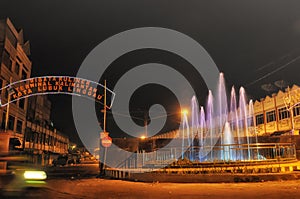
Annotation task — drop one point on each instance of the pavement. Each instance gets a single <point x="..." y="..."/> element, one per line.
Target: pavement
<point x="76" y="182"/>
<point x="106" y="188"/>
<point x="78" y="170"/>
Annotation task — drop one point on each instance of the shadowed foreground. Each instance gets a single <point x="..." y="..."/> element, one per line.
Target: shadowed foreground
<point x="102" y="188"/>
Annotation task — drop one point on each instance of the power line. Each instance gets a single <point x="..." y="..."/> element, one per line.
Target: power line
<point x="274" y="71"/>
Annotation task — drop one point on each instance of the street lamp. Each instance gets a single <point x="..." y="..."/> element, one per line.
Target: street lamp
<point x="184" y="112"/>
<point x="143" y="137"/>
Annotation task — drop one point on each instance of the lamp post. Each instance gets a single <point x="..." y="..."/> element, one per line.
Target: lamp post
<point x="184" y="113"/>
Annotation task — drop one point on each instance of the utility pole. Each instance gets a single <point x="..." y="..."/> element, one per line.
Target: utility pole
<point x="104" y="110"/>
<point x="104" y="124"/>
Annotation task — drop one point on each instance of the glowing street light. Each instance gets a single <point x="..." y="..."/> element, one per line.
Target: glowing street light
<point x="184" y="112"/>
<point x="143" y="137"/>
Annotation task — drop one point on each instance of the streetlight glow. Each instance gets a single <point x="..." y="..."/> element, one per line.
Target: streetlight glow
<point x="143" y="137"/>
<point x="184" y="112"/>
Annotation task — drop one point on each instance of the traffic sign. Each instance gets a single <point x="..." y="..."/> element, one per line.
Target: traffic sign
<point x="106" y="141"/>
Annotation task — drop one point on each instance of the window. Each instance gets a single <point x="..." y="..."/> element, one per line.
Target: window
<point x="22" y="103"/>
<point x="29" y="136"/>
<point x="36" y="137"/>
<point x="17" y="68"/>
<point x="6" y="59"/>
<point x="51" y="140"/>
<point x="40" y="138"/>
<point x="11" y="122"/>
<point x="19" y="126"/>
<point x="259" y="119"/>
<point x="47" y="140"/>
<point x="43" y="138"/>
<point x="271" y="116"/>
<point x="283" y="113"/>
<point x="296" y="110"/>
<point x="3" y="120"/>
<point x="24" y="74"/>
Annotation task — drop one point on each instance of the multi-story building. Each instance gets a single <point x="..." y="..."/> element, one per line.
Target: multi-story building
<point x="279" y="112"/>
<point x="25" y="122"/>
<point x="15" y="65"/>
<point x="43" y="142"/>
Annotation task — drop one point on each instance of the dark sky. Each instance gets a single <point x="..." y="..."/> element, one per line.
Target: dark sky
<point x="250" y="41"/>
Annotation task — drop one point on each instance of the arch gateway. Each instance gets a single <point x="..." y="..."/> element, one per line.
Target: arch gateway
<point x="57" y="85"/>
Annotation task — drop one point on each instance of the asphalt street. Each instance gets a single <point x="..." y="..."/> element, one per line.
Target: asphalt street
<point x="105" y="188"/>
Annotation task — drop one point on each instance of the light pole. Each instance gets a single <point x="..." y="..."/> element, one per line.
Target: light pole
<point x="146" y="125"/>
<point x="184" y="114"/>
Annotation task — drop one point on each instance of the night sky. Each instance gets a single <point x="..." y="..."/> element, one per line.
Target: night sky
<point x="253" y="42"/>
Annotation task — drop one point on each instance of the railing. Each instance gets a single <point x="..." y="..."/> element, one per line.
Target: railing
<point x="242" y="153"/>
<point x="220" y="154"/>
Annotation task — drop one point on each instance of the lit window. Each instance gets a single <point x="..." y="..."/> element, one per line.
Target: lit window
<point x="271" y="116"/>
<point x="283" y="113"/>
<point x="259" y="119"/>
<point x="296" y="110"/>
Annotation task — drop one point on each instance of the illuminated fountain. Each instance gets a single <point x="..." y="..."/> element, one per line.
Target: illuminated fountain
<point x="222" y="134"/>
<point x="217" y="138"/>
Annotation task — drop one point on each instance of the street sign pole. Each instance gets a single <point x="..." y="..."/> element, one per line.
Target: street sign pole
<point x="104" y="134"/>
<point x="104" y="125"/>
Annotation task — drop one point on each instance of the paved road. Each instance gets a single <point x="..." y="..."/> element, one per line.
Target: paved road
<point x="103" y="188"/>
<point x="78" y="170"/>
<point x="62" y="186"/>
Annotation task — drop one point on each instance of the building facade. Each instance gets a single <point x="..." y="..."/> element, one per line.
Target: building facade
<point x="15" y="65"/>
<point x="43" y="142"/>
<point x="279" y="112"/>
<point x="26" y="120"/>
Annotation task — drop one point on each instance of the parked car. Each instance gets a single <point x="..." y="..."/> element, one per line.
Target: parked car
<point x="61" y="160"/>
<point x="65" y="159"/>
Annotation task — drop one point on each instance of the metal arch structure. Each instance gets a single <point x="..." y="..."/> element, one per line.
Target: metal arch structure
<point x="45" y="85"/>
